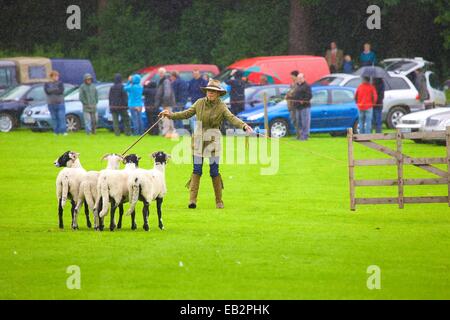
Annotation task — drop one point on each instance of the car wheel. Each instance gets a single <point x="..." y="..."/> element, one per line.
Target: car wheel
<point x="73" y="123"/>
<point x="279" y="128"/>
<point x="394" y="115"/>
<point x="7" y="122"/>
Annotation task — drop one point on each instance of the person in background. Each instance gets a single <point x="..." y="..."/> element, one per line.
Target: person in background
<point x="420" y="82"/>
<point x="118" y="105"/>
<point x="135" y="90"/>
<point x="347" y="67"/>
<point x="150" y="108"/>
<point x="263" y="81"/>
<point x="367" y="57"/>
<point x="334" y="57"/>
<point x="56" y="106"/>
<point x="179" y="87"/>
<point x="89" y="99"/>
<point x="378" y="107"/>
<point x="195" y="85"/>
<point x="302" y="96"/>
<point x="206" y="77"/>
<point x="237" y="91"/>
<point x="165" y="98"/>
<point x="365" y="96"/>
<point x="290" y="103"/>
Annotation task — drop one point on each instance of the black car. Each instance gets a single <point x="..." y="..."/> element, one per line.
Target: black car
<point x="16" y="99"/>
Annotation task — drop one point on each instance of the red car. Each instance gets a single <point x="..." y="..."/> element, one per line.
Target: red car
<point x="185" y="70"/>
<point x="279" y="68"/>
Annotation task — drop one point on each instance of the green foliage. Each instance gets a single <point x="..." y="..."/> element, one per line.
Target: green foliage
<point x="264" y="32"/>
<point x="125" y="42"/>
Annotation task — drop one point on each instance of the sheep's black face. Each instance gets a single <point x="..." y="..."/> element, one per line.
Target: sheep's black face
<point x="160" y="157"/>
<point x="131" y="158"/>
<point x="63" y="160"/>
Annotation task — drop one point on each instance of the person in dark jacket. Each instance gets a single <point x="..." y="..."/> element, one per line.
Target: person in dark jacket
<point x="55" y="101"/>
<point x="420" y="82"/>
<point x="302" y="102"/>
<point x="290" y="103"/>
<point x="194" y="86"/>
<point x="118" y="105"/>
<point x="150" y="107"/>
<point x="378" y="107"/>
<point x="237" y="91"/>
<point x="179" y="87"/>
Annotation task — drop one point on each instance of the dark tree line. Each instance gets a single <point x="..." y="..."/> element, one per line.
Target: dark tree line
<point x="124" y="36"/>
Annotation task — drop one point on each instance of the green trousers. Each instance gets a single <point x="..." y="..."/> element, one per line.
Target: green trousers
<point x="125" y="120"/>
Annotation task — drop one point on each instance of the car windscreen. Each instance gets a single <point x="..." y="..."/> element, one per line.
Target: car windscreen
<point x="224" y="75"/>
<point x="15" y="93"/>
<point x="74" y="95"/>
<point x="329" y="81"/>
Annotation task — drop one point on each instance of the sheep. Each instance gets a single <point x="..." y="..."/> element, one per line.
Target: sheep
<point x="149" y="185"/>
<point x="112" y="186"/>
<point x="88" y="189"/>
<point x="68" y="183"/>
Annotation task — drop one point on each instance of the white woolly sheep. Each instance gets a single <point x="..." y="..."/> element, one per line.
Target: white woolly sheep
<point x="113" y="186"/>
<point x="149" y="185"/>
<point x="88" y="189"/>
<point x="68" y="182"/>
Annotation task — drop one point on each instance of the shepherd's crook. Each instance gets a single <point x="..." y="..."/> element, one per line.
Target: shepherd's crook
<point x="139" y="139"/>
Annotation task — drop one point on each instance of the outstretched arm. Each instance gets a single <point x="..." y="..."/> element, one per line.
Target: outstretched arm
<point x="236" y="122"/>
<point x="179" y="115"/>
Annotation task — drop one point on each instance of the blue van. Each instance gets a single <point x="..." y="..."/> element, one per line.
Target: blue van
<point x="72" y="70"/>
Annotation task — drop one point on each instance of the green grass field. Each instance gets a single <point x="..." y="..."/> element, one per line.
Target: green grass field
<point x="284" y="236"/>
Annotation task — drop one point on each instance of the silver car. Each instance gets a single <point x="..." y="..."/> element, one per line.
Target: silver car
<point x="400" y="97"/>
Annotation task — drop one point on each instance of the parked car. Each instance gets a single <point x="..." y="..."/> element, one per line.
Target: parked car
<point x="254" y="95"/>
<point x="401" y="96"/>
<point x="333" y="110"/>
<point x="185" y="70"/>
<point x="407" y="66"/>
<point x="438" y="122"/>
<point x="38" y="117"/>
<point x="16" y="99"/>
<point x="416" y="122"/>
<point x="280" y="67"/>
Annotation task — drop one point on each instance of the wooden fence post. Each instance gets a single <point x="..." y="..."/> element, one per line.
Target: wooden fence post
<point x="400" y="169"/>
<point x="447" y="145"/>
<point x="351" y="168"/>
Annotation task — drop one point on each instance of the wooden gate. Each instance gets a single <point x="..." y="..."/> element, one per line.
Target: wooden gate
<point x="398" y="159"/>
